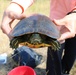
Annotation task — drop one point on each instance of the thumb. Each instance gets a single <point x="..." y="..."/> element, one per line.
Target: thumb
<point x="59" y="22"/>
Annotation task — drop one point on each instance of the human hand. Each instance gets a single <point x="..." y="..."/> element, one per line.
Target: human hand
<point x="12" y="12"/>
<point x="68" y="26"/>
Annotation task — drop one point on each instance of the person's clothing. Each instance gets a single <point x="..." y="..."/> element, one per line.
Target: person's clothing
<point x="58" y="64"/>
<point x="59" y="8"/>
<point x="53" y="63"/>
<point x="53" y="66"/>
<point x="69" y="55"/>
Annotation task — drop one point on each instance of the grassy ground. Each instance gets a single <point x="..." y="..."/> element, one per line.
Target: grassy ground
<point x="38" y="7"/>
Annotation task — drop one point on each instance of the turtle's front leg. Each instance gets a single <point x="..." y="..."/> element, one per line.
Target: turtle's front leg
<point x="55" y="45"/>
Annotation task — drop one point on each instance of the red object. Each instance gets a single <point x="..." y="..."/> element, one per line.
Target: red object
<point x="22" y="70"/>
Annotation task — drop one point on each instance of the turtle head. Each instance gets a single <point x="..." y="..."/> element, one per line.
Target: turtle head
<point x="35" y="39"/>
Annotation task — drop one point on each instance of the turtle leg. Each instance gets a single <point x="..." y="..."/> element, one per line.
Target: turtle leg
<point x="14" y="43"/>
<point x="55" y="45"/>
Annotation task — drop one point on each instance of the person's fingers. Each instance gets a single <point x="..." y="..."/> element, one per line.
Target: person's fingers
<point x="66" y="35"/>
<point x="14" y="15"/>
<point x="70" y="25"/>
<point x="59" y="22"/>
<point x="21" y="16"/>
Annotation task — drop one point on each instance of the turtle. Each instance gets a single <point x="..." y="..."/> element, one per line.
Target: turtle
<point x="35" y="31"/>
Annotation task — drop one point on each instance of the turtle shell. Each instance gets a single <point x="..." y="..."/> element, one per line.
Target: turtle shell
<point x="36" y="23"/>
